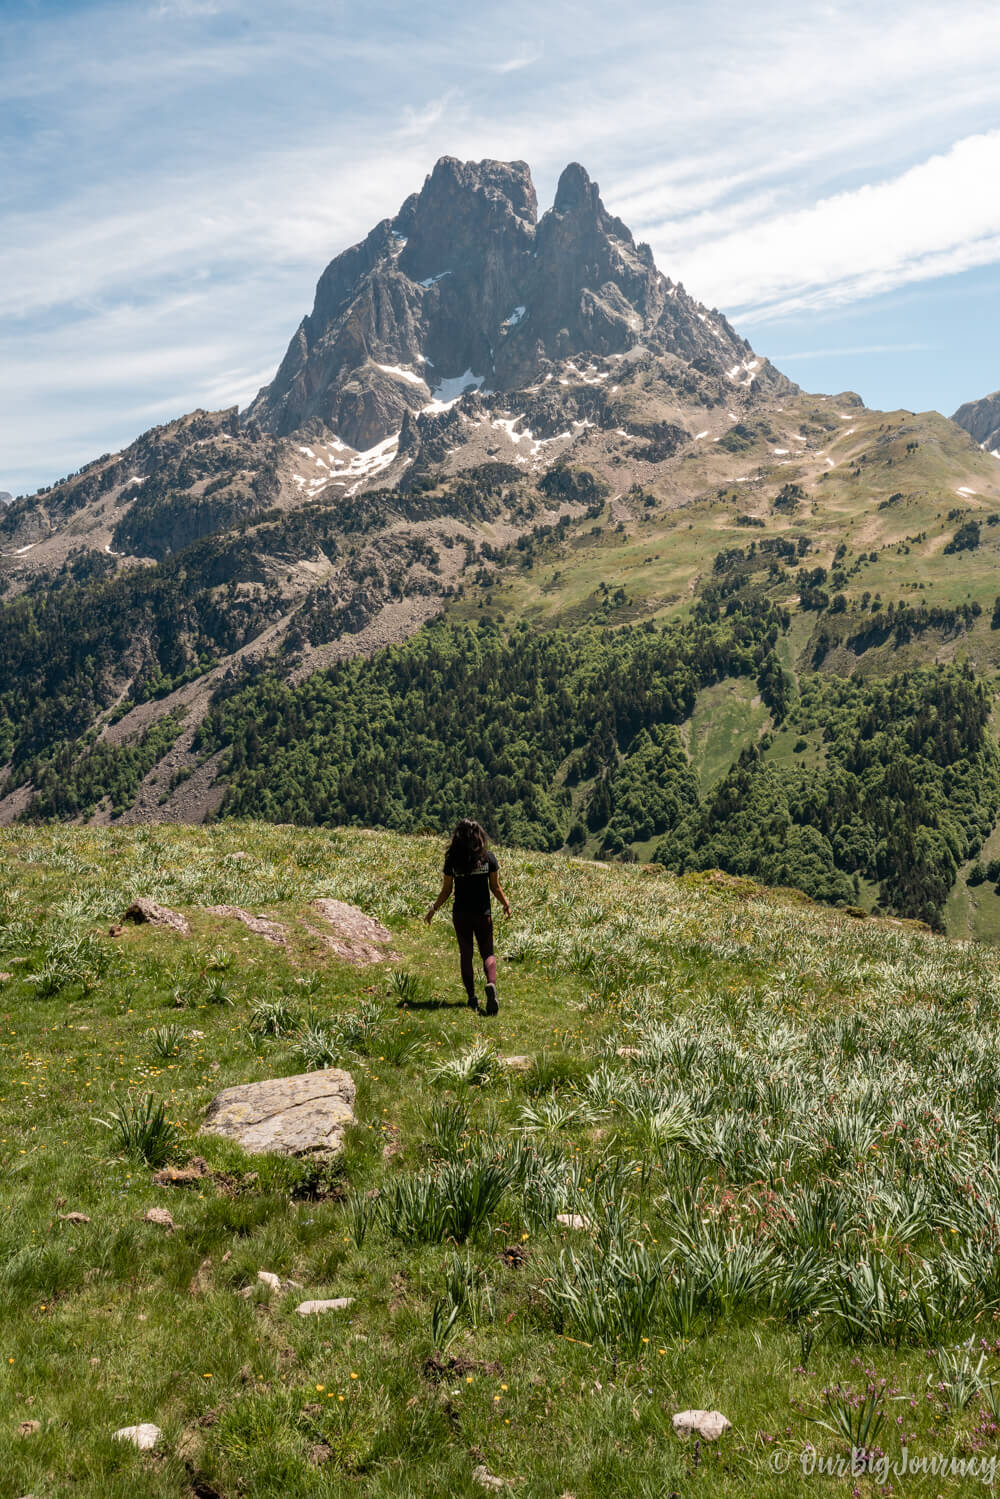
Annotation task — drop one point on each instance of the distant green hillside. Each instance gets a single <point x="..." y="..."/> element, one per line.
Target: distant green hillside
<point x="775" y="655"/>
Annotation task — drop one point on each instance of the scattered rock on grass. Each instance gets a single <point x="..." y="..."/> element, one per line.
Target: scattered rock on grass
<point x="201" y="1280"/>
<point x="440" y="1366"/>
<point x="182" y="1176"/>
<point x="709" y="1425"/>
<point x="273" y="1282"/>
<point x="145" y="1436"/>
<point x="145" y="910"/>
<point x="160" y="1217"/>
<point x="488" y="1480"/>
<point x="517" y="1064"/>
<point x="355" y="937"/>
<point x="628" y="1051"/>
<point x="72" y="1217"/>
<point x="574" y="1220"/>
<point x="28" y="1428"/>
<point x="314" y="1308"/>
<point x="293" y="1116"/>
<point x="319" y="1454"/>
<point x="271" y="931"/>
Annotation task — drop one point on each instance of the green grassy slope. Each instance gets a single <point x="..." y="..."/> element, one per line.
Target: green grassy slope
<point x="789" y="1180"/>
<point x="871" y="481"/>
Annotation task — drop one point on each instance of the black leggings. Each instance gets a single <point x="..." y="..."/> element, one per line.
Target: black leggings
<point x="478" y="926"/>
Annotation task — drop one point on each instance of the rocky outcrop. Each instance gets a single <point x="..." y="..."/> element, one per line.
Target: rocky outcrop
<point x="981" y="419"/>
<point x="261" y="926"/>
<point x="466" y="282"/>
<point x="355" y="937"/>
<point x="146" y="911"/>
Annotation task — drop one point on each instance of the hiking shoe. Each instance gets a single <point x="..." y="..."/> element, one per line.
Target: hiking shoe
<point x="473" y="1004"/>
<point x="492" y="1008"/>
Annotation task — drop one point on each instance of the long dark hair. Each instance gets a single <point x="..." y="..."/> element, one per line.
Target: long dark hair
<point x="468" y="845"/>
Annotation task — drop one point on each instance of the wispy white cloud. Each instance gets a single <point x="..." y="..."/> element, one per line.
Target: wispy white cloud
<point x="420" y="121"/>
<point x="858" y="351"/>
<point x="937" y="218"/>
<point x="514" y="64"/>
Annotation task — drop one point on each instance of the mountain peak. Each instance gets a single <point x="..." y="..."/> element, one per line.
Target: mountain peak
<point x="574" y="189"/>
<point x="467" y="283"/>
<point x="509" y="181"/>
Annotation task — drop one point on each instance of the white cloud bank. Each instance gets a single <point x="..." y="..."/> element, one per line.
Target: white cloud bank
<point x="939" y="217"/>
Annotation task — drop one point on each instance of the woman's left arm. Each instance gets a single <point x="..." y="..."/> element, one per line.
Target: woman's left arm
<point x="443" y="895"/>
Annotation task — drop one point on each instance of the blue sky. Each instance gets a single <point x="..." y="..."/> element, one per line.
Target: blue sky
<point x="174" y="175"/>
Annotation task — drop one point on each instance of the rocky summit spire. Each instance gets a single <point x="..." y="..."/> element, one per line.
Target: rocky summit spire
<point x="467" y="286"/>
<point x="981" y="419"/>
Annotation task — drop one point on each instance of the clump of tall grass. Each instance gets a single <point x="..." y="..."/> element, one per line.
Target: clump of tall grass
<point x="478" y="1064"/>
<point x="448" y="1126"/>
<point x="273" y="1017"/>
<point x="140" y="1129"/>
<point x="451" y="1203"/>
<point x="165" y="1041"/>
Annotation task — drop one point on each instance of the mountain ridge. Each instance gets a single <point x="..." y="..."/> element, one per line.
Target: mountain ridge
<point x="175" y="616"/>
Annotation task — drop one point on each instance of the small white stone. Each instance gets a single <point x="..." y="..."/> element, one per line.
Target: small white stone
<point x="145" y="1436"/>
<point x="574" y="1220"/>
<point x="709" y="1425"/>
<point x="160" y="1217"/>
<point x="269" y="1279"/>
<point x="313" y="1308"/>
<point x="488" y="1480"/>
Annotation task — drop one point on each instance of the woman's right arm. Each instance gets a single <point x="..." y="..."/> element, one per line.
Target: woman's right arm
<point x="498" y="892"/>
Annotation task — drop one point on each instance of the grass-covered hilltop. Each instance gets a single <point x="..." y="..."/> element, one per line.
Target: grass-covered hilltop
<point x="722" y="1149"/>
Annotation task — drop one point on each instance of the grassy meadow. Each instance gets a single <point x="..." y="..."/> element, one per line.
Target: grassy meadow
<point x="777" y="1125"/>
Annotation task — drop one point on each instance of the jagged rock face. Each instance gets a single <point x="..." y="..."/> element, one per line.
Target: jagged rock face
<point x="465" y="281"/>
<point x="981" y="419"/>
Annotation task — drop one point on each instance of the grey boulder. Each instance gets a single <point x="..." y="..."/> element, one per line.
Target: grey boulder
<point x="304" y="1115"/>
<point x="709" y="1425"/>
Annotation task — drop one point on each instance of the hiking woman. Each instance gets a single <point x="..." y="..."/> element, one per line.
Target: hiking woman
<point x="473" y="872"/>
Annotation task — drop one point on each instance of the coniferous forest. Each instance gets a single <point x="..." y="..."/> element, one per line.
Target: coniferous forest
<point x="556" y="737"/>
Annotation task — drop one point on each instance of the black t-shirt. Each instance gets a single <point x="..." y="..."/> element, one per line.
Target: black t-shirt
<point x="472" y="886"/>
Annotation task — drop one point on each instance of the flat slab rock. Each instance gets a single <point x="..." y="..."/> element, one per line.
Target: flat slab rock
<point x="316" y="1308"/>
<point x="709" y="1425"/>
<point x="295" y="1116"/>
<point x="145" y="910"/>
<point x="355" y="937"/>
<point x="574" y="1220"/>
<point x="144" y="1436"/>
<point x="263" y="926"/>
